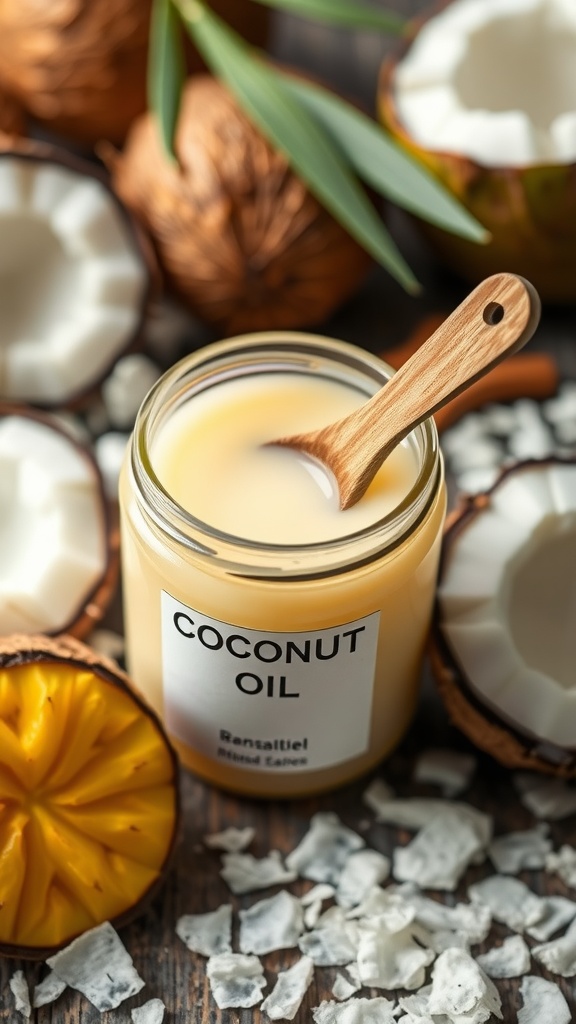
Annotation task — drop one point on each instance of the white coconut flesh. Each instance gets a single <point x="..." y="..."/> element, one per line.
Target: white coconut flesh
<point x="493" y="80"/>
<point x="53" y="548"/>
<point x="507" y="602"/>
<point x="72" y="281"/>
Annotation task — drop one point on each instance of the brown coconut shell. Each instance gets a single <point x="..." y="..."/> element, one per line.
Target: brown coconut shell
<point x="21" y="649"/>
<point x="238" y="235"/>
<point x="529" y="211"/>
<point x="481" y="724"/>
<point x="79" y="66"/>
<point x="95" y="602"/>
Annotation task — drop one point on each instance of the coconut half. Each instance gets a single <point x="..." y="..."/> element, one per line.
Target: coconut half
<point x="73" y="278"/>
<point x="484" y="96"/>
<point x="58" y="545"/>
<point x="504" y="644"/>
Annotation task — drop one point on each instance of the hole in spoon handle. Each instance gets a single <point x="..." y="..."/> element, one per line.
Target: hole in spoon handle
<point x="493" y="313"/>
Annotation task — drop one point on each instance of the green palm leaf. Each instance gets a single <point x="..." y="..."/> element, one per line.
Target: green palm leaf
<point x="352" y="13"/>
<point x="296" y="133"/>
<point x="382" y="163"/>
<point x="166" y="70"/>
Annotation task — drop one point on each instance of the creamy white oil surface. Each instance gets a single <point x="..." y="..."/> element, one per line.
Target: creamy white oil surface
<point x="212" y="456"/>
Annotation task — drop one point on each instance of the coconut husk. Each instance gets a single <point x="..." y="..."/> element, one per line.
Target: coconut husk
<point x="238" y="234"/>
<point x="79" y="66"/>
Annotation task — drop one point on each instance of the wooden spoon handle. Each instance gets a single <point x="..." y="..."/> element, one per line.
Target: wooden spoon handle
<point x="496" y="319"/>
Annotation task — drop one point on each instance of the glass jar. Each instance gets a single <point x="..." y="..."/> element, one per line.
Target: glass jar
<point x="279" y="670"/>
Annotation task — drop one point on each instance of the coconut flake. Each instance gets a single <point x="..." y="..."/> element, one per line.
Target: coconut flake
<point x="98" y="965"/>
<point x="334" y="943"/>
<point x="361" y="872"/>
<point x="378" y="794"/>
<point x="439" y="855"/>
<point x="460" y="986"/>
<point x="291" y="986"/>
<point x="551" y="799"/>
<point x="209" y="933"/>
<point x="390" y="907"/>
<point x="274" y="923"/>
<point x="324" y="850"/>
<point x="509" y="960"/>
<point x="245" y="873"/>
<point x="48" y="990"/>
<point x="343" y="988"/>
<point x="509" y="899"/>
<point x="390" y="959"/>
<point x="557" y="912"/>
<point x="417" y="812"/>
<point x="563" y="864"/>
<point x="516" y="851"/>
<point x="559" y="955"/>
<point x="355" y="1011"/>
<point x="232" y="840"/>
<point x="473" y="922"/>
<point x="151" y="1012"/>
<point x="543" y="1003"/>
<point x="312" y="902"/>
<point x="20" y="991"/>
<point x="236" y="980"/>
<point x="449" y="769"/>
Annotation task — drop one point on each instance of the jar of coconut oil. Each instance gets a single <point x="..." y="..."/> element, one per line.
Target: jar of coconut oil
<point x="279" y="637"/>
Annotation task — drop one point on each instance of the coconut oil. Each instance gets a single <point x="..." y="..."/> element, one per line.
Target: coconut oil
<point x="279" y="637"/>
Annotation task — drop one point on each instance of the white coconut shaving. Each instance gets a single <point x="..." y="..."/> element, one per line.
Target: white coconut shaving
<point x="471" y="921"/>
<point x="557" y="912"/>
<point x="509" y="960"/>
<point x="451" y="770"/>
<point x="460" y="987"/>
<point x="291" y="986"/>
<point x="208" y="933"/>
<point x="312" y="902"/>
<point x="363" y="870"/>
<point x="509" y="899"/>
<point x="98" y="965"/>
<point x="417" y="812"/>
<point x="543" y="1003"/>
<point x="274" y="923"/>
<point x="355" y="1011"/>
<point x="390" y="907"/>
<point x="21" y="993"/>
<point x="48" y="990"/>
<point x="334" y="943"/>
<point x="232" y="840"/>
<point x="516" y="851"/>
<point x="559" y="955"/>
<point x="390" y="960"/>
<point x="151" y="1012"/>
<point x="439" y="855"/>
<point x="549" y="799"/>
<point x="343" y="988"/>
<point x="245" y="873"/>
<point x="236" y="980"/>
<point x="377" y="794"/>
<point x="324" y="850"/>
<point x="563" y="864"/>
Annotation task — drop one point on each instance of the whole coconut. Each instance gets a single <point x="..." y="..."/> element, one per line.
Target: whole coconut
<point x="79" y="66"/>
<point x="238" y="234"/>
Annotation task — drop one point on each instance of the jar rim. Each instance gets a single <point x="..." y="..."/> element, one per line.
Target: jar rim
<point x="275" y="351"/>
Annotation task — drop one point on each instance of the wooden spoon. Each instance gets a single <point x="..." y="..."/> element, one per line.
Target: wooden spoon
<point x="496" y="319"/>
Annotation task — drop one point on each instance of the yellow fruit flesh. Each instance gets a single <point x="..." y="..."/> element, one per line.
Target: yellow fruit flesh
<point x="87" y="802"/>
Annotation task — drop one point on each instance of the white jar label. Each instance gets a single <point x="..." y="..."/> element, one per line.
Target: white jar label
<point x="274" y="702"/>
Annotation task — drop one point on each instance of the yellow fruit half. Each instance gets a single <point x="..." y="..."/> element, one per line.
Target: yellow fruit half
<point x="88" y="795"/>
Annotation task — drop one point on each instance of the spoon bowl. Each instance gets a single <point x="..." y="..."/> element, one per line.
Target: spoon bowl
<point x="496" y="319"/>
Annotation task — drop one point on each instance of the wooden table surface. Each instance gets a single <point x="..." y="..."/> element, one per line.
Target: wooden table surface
<point x="378" y="318"/>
